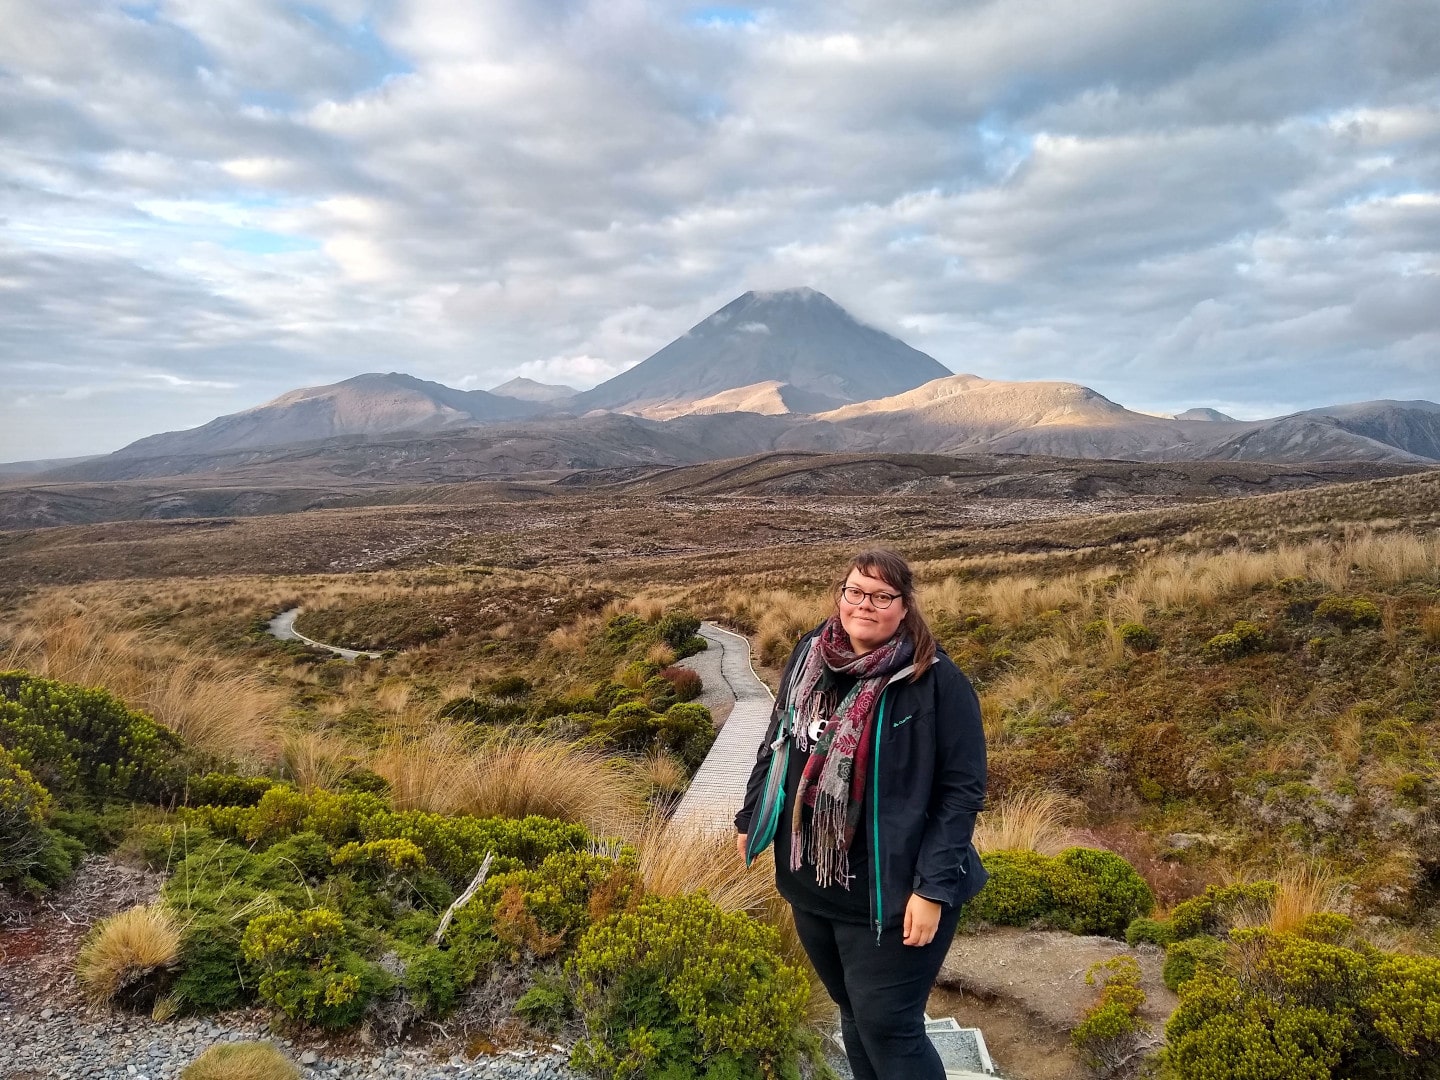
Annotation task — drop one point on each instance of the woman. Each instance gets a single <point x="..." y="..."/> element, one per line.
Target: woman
<point x="868" y="782"/>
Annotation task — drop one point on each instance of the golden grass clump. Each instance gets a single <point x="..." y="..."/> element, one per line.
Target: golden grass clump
<point x="513" y="776"/>
<point x="1430" y="624"/>
<point x="661" y="654"/>
<point x="675" y="860"/>
<point x="1302" y="892"/>
<point x="215" y="707"/>
<point x="242" y="1061"/>
<point x="126" y="948"/>
<point x="428" y="767"/>
<point x="662" y="774"/>
<point x="444" y="769"/>
<point x="317" y="759"/>
<point x="1030" y="820"/>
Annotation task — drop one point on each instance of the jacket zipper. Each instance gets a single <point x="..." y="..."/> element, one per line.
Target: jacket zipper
<point x="875" y="817"/>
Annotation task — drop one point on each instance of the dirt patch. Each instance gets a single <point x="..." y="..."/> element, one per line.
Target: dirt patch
<point x="37" y="950"/>
<point x="1026" y="990"/>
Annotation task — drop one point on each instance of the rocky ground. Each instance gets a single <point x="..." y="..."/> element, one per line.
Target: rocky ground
<point x="49" y="1032"/>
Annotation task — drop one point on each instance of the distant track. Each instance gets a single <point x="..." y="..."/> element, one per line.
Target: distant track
<point x="718" y="789"/>
<point x="283" y="627"/>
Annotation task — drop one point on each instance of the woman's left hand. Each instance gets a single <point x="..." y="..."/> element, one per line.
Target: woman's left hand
<point x="922" y="919"/>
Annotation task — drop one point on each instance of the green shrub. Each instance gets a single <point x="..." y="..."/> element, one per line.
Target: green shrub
<point x="1098" y="892"/>
<point x="1240" y="640"/>
<point x="213" y="973"/>
<point x="540" y="912"/>
<point x="623" y="627"/>
<point x="688" y="731"/>
<point x="1402" y="1005"/>
<point x="1082" y="890"/>
<point x="1148" y="931"/>
<point x="1348" y="612"/>
<point x="226" y="789"/>
<point x="430" y="981"/>
<point x="1110" y="1032"/>
<point x="681" y="988"/>
<point x="679" y="630"/>
<point x="33" y="857"/>
<point x="1018" y="892"/>
<point x="309" y="972"/>
<point x="1217" y="909"/>
<point x="1138" y="637"/>
<point x="1183" y="958"/>
<point x="82" y="743"/>
<point x="546" y="1005"/>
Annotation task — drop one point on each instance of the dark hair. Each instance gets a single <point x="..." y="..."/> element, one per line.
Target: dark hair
<point x="891" y="568"/>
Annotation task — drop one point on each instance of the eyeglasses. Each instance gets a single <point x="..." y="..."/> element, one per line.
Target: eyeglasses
<point x="853" y="595"/>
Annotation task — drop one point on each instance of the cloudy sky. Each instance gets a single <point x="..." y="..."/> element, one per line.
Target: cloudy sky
<point x="204" y="203"/>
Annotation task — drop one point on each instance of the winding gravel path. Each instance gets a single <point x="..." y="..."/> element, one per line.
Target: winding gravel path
<point x="283" y="627"/>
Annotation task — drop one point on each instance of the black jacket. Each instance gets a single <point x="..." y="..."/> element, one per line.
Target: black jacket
<point x="926" y="784"/>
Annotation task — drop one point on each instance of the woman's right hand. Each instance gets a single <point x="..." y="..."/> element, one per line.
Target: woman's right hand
<point x="740" y="839"/>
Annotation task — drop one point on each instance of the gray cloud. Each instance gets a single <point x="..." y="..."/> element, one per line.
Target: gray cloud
<point x="207" y="203"/>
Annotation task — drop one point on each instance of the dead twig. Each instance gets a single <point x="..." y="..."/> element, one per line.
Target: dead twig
<point x="464" y="898"/>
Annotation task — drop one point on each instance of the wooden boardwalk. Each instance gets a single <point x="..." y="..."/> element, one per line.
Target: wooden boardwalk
<point x="718" y="789"/>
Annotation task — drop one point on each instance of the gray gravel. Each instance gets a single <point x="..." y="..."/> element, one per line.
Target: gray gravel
<point x="114" y="1047"/>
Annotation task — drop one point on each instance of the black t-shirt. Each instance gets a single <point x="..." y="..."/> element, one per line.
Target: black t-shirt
<point x="799" y="887"/>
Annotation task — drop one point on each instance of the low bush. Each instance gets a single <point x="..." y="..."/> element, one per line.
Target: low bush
<point x="685" y="729"/>
<point x="686" y="684"/>
<point x="1110" y="1033"/>
<point x="1145" y="930"/>
<point x="535" y="914"/>
<point x="1293" y="1006"/>
<point x="1220" y="907"/>
<point x="33" y="857"/>
<point x="242" y="1061"/>
<point x="1183" y="958"/>
<point x="1082" y="890"/>
<point x="1240" y="640"/>
<point x="311" y="972"/>
<point x="1138" y="637"/>
<point x="227" y="789"/>
<point x="1098" y="892"/>
<point x="85" y="743"/>
<point x="130" y="957"/>
<point x="680" y="988"/>
<point x="1348" y="612"/>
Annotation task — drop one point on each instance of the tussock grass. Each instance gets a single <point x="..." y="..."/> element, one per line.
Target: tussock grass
<point x="663" y="774"/>
<point x="223" y="712"/>
<point x="675" y="860"/>
<point x="428" y="766"/>
<point x="513" y="776"/>
<point x="443" y="768"/>
<point x="318" y="758"/>
<point x="1030" y="820"/>
<point x="126" y="948"/>
<point x="242" y="1061"/>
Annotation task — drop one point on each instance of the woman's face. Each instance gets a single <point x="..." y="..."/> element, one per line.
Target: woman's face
<point x="870" y="627"/>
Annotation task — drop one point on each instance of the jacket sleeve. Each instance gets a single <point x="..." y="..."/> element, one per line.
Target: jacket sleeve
<point x="958" y="791"/>
<point x="755" y="786"/>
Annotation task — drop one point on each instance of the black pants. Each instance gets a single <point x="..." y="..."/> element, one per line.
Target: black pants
<point x="881" y="990"/>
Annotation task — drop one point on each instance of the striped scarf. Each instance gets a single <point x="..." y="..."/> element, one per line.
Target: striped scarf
<point x="833" y="783"/>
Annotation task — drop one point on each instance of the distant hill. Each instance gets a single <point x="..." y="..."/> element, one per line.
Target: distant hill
<point x="1413" y="426"/>
<point x="16" y="469"/>
<point x="370" y="404"/>
<point x="523" y="389"/>
<point x="1204" y="414"/>
<point x="816" y="354"/>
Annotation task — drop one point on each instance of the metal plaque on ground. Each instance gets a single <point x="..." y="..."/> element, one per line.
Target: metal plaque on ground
<point x="962" y="1050"/>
